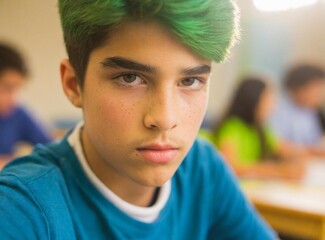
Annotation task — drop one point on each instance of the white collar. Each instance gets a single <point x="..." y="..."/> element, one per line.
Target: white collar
<point x="144" y="214"/>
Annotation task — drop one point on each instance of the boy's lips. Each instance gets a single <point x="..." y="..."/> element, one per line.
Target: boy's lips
<point x="158" y="153"/>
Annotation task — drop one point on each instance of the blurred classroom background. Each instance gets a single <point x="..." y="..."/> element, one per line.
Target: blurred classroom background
<point x="275" y="35"/>
<point x="33" y="27"/>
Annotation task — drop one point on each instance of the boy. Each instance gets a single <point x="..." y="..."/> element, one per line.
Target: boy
<point x="16" y="124"/>
<point x="305" y="85"/>
<point x="139" y="70"/>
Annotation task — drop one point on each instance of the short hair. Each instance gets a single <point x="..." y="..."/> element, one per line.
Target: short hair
<point x="208" y="27"/>
<point x="11" y="59"/>
<point x="301" y="75"/>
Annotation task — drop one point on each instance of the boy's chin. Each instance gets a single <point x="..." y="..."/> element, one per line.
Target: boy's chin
<point x="157" y="180"/>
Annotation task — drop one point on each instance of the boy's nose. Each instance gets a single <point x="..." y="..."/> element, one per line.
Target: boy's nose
<point x="161" y="111"/>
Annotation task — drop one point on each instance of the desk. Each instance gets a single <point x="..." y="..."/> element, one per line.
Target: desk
<point x="295" y="209"/>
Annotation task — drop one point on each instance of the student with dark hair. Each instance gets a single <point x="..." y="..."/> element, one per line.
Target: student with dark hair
<point x="243" y="138"/>
<point x="139" y="70"/>
<point x="298" y="118"/>
<point x="16" y="123"/>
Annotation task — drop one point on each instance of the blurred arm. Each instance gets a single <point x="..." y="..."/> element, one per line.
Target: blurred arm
<point x="290" y="169"/>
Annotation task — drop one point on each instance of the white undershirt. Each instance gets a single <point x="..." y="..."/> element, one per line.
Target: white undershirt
<point x="144" y="214"/>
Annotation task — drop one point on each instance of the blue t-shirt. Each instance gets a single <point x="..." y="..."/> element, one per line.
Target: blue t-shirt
<point x="47" y="196"/>
<point x="19" y="126"/>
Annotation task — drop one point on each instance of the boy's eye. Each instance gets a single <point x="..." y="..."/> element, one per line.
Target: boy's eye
<point x="129" y="79"/>
<point x="188" y="81"/>
<point x="192" y="83"/>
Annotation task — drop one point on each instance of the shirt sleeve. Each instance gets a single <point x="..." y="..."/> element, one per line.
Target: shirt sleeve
<point x="241" y="139"/>
<point x="20" y="217"/>
<point x="233" y="217"/>
<point x="227" y="132"/>
<point x="231" y="133"/>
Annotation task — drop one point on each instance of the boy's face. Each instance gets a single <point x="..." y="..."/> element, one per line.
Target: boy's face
<point x="312" y="95"/>
<point x="11" y="82"/>
<point x="144" y="98"/>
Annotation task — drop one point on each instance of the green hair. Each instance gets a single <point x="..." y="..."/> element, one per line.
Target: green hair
<point x="208" y="27"/>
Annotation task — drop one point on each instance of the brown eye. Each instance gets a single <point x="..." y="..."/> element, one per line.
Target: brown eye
<point x="188" y="81"/>
<point x="192" y="83"/>
<point x="129" y="78"/>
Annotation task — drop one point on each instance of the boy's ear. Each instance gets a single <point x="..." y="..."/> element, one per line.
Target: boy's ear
<point x="70" y="84"/>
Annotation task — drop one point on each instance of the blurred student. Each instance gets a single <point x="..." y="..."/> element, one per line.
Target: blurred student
<point x="245" y="141"/>
<point x="16" y="124"/>
<point x="298" y="118"/>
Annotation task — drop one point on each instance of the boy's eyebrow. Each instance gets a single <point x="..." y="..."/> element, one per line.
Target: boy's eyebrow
<point x="202" y="69"/>
<point x="119" y="62"/>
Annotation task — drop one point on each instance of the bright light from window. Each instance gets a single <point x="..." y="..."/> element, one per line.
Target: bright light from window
<point x="281" y="5"/>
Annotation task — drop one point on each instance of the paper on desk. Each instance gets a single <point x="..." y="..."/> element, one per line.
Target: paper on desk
<point x="288" y="195"/>
<point x="315" y="174"/>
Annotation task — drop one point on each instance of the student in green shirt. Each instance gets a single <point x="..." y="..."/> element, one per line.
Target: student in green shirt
<point x="246" y="143"/>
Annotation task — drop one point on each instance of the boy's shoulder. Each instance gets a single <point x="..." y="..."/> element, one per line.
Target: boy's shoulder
<point x="43" y="172"/>
<point x="44" y="162"/>
<point x="33" y="187"/>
